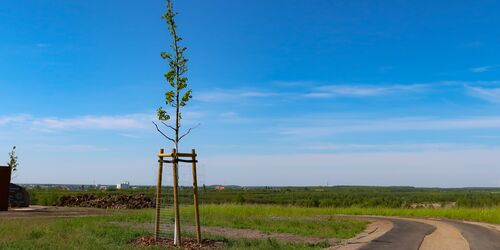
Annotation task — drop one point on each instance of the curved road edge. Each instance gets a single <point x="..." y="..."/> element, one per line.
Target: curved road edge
<point x="424" y="234"/>
<point x="404" y="234"/>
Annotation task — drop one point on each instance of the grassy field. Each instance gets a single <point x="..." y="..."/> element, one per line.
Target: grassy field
<point x="303" y="211"/>
<point x="339" y="196"/>
<point x="489" y="215"/>
<point x="100" y="232"/>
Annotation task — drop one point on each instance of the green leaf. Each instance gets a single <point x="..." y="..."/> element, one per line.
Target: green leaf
<point x="187" y="96"/>
<point x="166" y="55"/>
<point x="162" y="114"/>
<point x="169" y="96"/>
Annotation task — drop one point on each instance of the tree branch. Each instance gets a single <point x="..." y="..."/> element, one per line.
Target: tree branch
<point x="172" y="127"/>
<point x="189" y="131"/>
<point x="163" y="133"/>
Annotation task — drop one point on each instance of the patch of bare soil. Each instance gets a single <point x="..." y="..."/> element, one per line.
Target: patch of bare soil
<point x="187" y="243"/>
<point x="54" y="212"/>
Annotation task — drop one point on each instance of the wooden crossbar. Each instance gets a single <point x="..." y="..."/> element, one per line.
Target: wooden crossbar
<point x="178" y="155"/>
<point x="180" y="160"/>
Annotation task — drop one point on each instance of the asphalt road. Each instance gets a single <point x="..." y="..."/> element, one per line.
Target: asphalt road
<point x="479" y="238"/>
<point x="405" y="235"/>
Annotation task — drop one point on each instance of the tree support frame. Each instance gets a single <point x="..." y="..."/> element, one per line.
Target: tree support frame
<point x="175" y="158"/>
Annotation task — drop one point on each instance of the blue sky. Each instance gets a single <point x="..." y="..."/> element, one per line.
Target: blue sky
<point x="287" y="92"/>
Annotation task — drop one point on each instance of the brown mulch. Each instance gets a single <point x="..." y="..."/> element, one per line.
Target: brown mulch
<point x="187" y="243"/>
<point x="136" y="201"/>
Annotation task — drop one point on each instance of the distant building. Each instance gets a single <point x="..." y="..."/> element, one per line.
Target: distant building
<point x="219" y="188"/>
<point x="123" y="185"/>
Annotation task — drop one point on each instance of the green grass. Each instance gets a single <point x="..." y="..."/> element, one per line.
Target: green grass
<point x="489" y="215"/>
<point x="79" y="233"/>
<point x="264" y="218"/>
<point x="277" y="219"/>
<point x="99" y="233"/>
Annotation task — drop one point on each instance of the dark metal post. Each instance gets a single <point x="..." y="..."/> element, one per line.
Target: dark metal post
<point x="4" y="188"/>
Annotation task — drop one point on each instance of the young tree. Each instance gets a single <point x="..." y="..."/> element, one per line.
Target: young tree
<point x="178" y="95"/>
<point x="12" y="163"/>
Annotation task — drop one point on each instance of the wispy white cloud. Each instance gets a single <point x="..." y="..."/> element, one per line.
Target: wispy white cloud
<point x="312" y="89"/>
<point x="134" y="121"/>
<point x="233" y="117"/>
<point x="391" y="147"/>
<point x="363" y="90"/>
<point x="220" y="95"/>
<point x="324" y="126"/>
<point x="294" y="84"/>
<point x="488" y="94"/>
<point x="131" y="136"/>
<point x="484" y="68"/>
<point x="126" y="122"/>
<point x="68" y="148"/>
<point x="5" y="120"/>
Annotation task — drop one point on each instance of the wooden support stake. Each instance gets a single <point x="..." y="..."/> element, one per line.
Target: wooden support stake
<point x="195" y="196"/>
<point x="158" y="195"/>
<point x="176" y="200"/>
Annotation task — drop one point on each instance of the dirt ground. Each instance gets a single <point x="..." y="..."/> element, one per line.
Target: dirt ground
<point x="53" y="212"/>
<point x="187" y="243"/>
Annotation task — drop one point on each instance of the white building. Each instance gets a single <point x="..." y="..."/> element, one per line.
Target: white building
<point x="123" y="185"/>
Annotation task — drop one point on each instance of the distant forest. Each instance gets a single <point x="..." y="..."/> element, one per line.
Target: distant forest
<point x="338" y="196"/>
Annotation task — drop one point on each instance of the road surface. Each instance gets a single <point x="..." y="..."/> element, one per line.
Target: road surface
<point x="404" y="235"/>
<point x="429" y="234"/>
<point x="479" y="237"/>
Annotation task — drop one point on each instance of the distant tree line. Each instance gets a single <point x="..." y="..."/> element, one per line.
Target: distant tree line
<point x="365" y="197"/>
